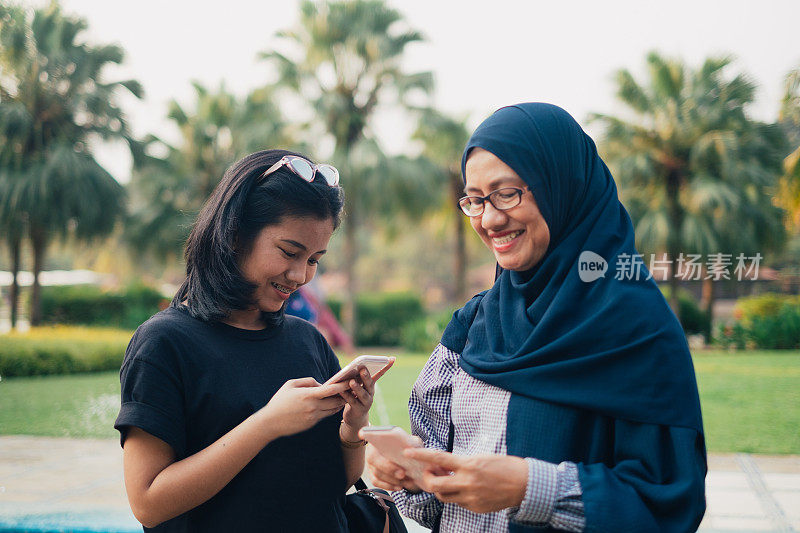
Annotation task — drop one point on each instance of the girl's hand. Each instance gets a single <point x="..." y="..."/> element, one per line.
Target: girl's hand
<point x="359" y="396"/>
<point x="386" y="474"/>
<point x="300" y="403"/>
<point x="479" y="483"/>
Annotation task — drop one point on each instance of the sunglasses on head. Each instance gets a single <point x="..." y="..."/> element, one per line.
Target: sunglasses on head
<point x="305" y="169"/>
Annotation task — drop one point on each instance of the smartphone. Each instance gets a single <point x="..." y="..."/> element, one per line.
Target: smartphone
<point x="373" y="364"/>
<point x="391" y="441"/>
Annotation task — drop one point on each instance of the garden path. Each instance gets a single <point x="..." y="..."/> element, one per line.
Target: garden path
<point x="62" y="482"/>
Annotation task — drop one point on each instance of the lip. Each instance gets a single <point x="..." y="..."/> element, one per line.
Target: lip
<point x="281" y="295"/>
<point x="501" y="248"/>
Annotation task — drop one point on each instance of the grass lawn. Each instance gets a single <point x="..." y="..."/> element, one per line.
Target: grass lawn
<point x="751" y="401"/>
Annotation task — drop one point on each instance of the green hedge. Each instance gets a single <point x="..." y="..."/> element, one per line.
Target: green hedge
<point x="423" y="334"/>
<point x="693" y="319"/>
<point x="62" y="350"/>
<point x="90" y="305"/>
<point x="768" y="321"/>
<point x="382" y="316"/>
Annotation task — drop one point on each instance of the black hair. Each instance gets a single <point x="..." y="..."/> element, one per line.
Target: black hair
<point x="239" y="208"/>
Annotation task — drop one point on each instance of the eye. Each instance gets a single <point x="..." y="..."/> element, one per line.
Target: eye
<point x="506" y="194"/>
<point x="313" y="262"/>
<point x="286" y="253"/>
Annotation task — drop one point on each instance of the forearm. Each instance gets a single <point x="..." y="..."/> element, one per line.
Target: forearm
<point x="185" y="484"/>
<point x="353" y="457"/>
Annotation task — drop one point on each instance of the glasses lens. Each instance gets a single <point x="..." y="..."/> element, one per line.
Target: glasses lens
<point x="330" y="174"/>
<point x="471" y="205"/>
<point x="303" y="168"/>
<point x="505" y="198"/>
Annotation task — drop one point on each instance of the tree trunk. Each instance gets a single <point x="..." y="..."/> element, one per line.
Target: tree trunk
<point x="460" y="260"/>
<point x="15" y="245"/>
<point x="39" y="244"/>
<point x="707" y="305"/>
<point x="349" y="311"/>
<point x="675" y="214"/>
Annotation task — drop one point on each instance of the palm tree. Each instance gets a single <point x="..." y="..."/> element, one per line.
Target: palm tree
<point x="167" y="192"/>
<point x="345" y="62"/>
<point x="789" y="118"/>
<point x="444" y="139"/>
<point x="55" y="104"/>
<point x="694" y="169"/>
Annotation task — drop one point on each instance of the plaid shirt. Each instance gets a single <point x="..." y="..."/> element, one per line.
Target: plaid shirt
<point x="478" y="410"/>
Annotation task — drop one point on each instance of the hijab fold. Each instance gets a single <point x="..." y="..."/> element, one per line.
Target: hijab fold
<point x="611" y="345"/>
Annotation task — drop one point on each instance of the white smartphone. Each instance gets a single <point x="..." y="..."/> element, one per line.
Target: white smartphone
<point x="391" y="441"/>
<point x="373" y="364"/>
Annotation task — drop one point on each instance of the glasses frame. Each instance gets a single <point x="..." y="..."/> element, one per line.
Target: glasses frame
<point x="488" y="198"/>
<point x="287" y="160"/>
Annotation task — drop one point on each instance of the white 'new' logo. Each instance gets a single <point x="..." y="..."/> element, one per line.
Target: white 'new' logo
<point x="591" y="266"/>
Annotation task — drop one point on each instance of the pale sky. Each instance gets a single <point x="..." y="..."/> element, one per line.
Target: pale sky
<point x="483" y="57"/>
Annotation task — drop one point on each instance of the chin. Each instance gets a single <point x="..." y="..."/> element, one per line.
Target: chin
<point x="270" y="307"/>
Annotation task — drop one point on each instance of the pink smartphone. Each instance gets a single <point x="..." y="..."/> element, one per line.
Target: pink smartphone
<point x="373" y="364"/>
<point x="391" y="441"/>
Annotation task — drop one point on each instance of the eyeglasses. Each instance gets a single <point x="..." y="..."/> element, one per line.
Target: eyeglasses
<point x="501" y="199"/>
<point x="305" y="169"/>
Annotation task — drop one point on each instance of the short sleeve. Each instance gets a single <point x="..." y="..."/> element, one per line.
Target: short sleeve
<point x="152" y="393"/>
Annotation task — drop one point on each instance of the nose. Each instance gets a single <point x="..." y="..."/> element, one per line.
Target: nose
<point x="296" y="273"/>
<point x="493" y="218"/>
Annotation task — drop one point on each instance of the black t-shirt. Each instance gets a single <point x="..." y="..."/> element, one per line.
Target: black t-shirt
<point x="189" y="382"/>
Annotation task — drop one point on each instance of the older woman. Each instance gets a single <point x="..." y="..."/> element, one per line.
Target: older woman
<point x="565" y="393"/>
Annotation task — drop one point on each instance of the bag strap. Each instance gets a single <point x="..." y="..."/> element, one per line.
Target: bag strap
<point x="380" y="499"/>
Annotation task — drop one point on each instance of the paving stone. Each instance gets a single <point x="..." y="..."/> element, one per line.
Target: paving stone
<point x="44" y="475"/>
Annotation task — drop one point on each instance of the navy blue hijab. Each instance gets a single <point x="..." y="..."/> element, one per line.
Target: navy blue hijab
<point x="610" y="346"/>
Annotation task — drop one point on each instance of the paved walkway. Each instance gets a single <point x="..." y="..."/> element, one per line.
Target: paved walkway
<point x="76" y="482"/>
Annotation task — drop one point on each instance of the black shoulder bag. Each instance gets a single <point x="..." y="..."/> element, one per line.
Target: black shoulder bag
<point x="372" y="511"/>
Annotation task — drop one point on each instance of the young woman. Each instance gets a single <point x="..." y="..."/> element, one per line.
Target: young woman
<point x="569" y="401"/>
<point x="224" y="422"/>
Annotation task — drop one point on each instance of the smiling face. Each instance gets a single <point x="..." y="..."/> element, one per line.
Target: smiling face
<point x="284" y="257"/>
<point x="519" y="236"/>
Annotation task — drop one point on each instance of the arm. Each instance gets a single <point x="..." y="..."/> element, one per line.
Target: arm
<point x="657" y="484"/>
<point x="160" y="488"/>
<point x="429" y="411"/>
<point x="359" y="399"/>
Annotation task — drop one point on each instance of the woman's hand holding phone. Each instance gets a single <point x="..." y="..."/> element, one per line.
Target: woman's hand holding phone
<point x="359" y="397"/>
<point x="386" y="474"/>
<point x="300" y="403"/>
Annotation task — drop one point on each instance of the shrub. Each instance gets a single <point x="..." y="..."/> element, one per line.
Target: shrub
<point x="423" y="334"/>
<point x="693" y="319"/>
<point x="61" y="350"/>
<point x="382" y="316"/>
<point x="763" y="305"/>
<point x="778" y="332"/>
<point x="90" y="305"/>
<point x="767" y="321"/>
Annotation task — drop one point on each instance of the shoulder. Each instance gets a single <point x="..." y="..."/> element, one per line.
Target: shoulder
<point x="295" y="324"/>
<point x="301" y="329"/>
<point x="160" y="335"/>
<point x="466" y="314"/>
<point x="454" y="337"/>
<point x="170" y="320"/>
